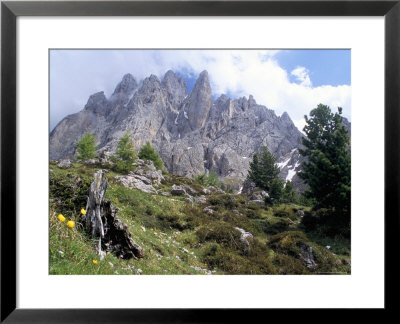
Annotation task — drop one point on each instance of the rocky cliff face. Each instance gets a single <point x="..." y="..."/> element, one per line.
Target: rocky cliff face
<point x="191" y="132"/>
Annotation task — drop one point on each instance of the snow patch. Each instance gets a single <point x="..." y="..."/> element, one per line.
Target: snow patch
<point x="176" y="119"/>
<point x="189" y="147"/>
<point x="240" y="190"/>
<point x="185" y="114"/>
<point x="281" y="165"/>
<point x="290" y="175"/>
<point x="244" y="157"/>
<point x="292" y="172"/>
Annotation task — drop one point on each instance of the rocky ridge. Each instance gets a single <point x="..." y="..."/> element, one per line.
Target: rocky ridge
<point x="192" y="132"/>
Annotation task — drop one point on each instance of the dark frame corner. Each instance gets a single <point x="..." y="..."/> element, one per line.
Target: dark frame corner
<point x="10" y="10"/>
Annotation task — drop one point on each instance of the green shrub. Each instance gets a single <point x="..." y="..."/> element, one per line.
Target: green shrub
<point x="291" y="244"/>
<point x="326" y="222"/>
<point x="69" y="191"/>
<point x="235" y="262"/>
<point x="287" y="264"/>
<point x="288" y="242"/>
<point x="195" y="216"/>
<point x="176" y="221"/>
<point x="273" y="226"/>
<point x="147" y="152"/>
<point x="254" y="213"/>
<point x="210" y="179"/>
<point x="325" y="260"/>
<point x="285" y="212"/>
<point x="171" y="221"/>
<point x="240" y="221"/>
<point x="220" y="232"/>
<point x="309" y="221"/>
<point x="282" y="213"/>
<point x="226" y="201"/>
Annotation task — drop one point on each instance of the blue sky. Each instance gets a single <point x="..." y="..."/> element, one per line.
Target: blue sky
<point x="331" y="67"/>
<point x="283" y="80"/>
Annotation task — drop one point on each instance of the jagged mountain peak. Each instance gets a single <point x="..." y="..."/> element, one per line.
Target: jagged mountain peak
<point x="175" y="85"/>
<point x="203" y="75"/>
<point x="152" y="79"/>
<point x="192" y="133"/>
<point x="251" y="101"/>
<point x="171" y="77"/>
<point x="150" y="84"/>
<point x="199" y="102"/>
<point x="285" y="117"/>
<point x="222" y="98"/>
<point x="127" y="84"/>
<point x="97" y="103"/>
<point x="202" y="83"/>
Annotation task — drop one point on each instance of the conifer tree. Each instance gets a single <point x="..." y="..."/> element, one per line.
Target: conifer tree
<point x="288" y="194"/>
<point x="125" y="153"/>
<point x="147" y="152"/>
<point x="86" y="147"/>
<point x="275" y="193"/>
<point x="263" y="169"/>
<point x="328" y="166"/>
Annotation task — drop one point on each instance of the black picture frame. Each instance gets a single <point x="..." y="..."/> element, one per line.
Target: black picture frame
<point x="11" y="10"/>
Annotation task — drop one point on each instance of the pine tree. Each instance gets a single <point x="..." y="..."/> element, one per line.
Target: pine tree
<point x="126" y="154"/>
<point x="327" y="171"/>
<point x="86" y="147"/>
<point x="275" y="193"/>
<point x="262" y="169"/>
<point x="288" y="194"/>
<point x="147" y="152"/>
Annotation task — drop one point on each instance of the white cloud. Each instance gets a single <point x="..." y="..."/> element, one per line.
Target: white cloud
<point x="233" y="72"/>
<point x="301" y="74"/>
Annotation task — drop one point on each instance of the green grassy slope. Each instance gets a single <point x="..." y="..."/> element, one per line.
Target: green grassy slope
<point x="178" y="237"/>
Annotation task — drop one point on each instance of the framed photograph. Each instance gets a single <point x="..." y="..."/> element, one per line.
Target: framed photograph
<point x="162" y="159"/>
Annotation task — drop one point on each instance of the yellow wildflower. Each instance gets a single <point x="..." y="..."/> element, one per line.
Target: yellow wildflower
<point x="71" y="224"/>
<point x="83" y="212"/>
<point x="61" y="218"/>
<point x="95" y="262"/>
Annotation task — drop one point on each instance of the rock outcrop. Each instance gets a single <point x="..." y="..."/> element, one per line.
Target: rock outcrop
<point x="246" y="239"/>
<point x="144" y="178"/>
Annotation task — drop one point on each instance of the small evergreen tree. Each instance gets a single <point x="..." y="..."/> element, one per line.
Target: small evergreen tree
<point x="288" y="194"/>
<point x="86" y="147"/>
<point x="263" y="169"/>
<point x="126" y="154"/>
<point x="275" y="193"/>
<point x="147" y="152"/>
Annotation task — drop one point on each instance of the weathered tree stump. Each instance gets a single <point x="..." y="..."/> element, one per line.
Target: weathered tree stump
<point x="101" y="221"/>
